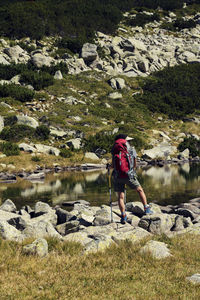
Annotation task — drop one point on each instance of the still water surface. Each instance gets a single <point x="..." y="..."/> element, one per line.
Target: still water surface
<point x="171" y="184"/>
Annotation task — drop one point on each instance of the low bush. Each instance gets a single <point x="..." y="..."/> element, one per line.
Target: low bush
<point x="35" y="158"/>
<point x="173" y="91"/>
<point x="66" y="153"/>
<point x="179" y="24"/>
<point x="141" y="19"/>
<point x="192" y="144"/>
<point x="9" y="149"/>
<point x="99" y="141"/>
<point x="10" y="120"/>
<point x="17" y="132"/>
<point x="38" y="80"/>
<point x="17" y="92"/>
<point x="42" y="132"/>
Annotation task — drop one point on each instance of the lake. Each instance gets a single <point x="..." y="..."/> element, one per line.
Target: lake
<point x="170" y="184"/>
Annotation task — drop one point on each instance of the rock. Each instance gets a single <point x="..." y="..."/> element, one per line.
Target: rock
<point x="8" y="206"/>
<point x="117" y="83"/>
<point x="160" y="151"/>
<point x="3" y="61"/>
<point x="42" y="208"/>
<point x="79" y="237"/>
<point x="89" y="52"/>
<point x="143" y="65"/>
<point x="41" y="229"/>
<point x="20" y="223"/>
<point x="76" y="143"/>
<point x="99" y="243"/>
<point x="133" y="236"/>
<point x="181" y="223"/>
<point x="1" y="123"/>
<point x="47" y="149"/>
<point x="58" y="75"/>
<point x="39" y="60"/>
<point x="68" y="227"/>
<point x="9" y="232"/>
<point x="127" y="45"/>
<point x="64" y="216"/>
<point x="184" y="154"/>
<point x="115" y="96"/>
<point x="91" y="155"/>
<point x="15" y="52"/>
<point x="195" y="278"/>
<point x="36" y="176"/>
<point x="25" y="120"/>
<point x="186" y="213"/>
<point x="38" y="247"/>
<point x="156" y="223"/>
<point x="158" y="250"/>
<point x="5" y="216"/>
<point x="26" y="148"/>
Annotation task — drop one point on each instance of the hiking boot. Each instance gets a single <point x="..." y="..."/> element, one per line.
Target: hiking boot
<point x="147" y="210"/>
<point x="123" y="219"/>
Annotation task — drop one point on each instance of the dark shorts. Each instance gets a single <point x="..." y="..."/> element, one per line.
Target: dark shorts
<point x="119" y="183"/>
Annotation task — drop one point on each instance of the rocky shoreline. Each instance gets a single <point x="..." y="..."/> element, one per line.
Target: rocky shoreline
<point x="91" y="226"/>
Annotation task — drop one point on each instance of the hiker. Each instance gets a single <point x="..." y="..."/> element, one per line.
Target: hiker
<point x="124" y="164"/>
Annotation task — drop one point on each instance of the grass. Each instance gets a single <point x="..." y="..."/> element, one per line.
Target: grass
<point x="118" y="273"/>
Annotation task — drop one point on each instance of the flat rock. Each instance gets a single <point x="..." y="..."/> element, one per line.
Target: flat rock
<point x="158" y="250"/>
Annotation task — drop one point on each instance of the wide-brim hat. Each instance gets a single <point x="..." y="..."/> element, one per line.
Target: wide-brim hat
<point x="128" y="138"/>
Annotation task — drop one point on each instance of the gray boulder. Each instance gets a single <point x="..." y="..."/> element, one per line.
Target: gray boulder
<point x="26" y="148"/>
<point x="89" y="52"/>
<point x="39" y="247"/>
<point x="1" y="123"/>
<point x="39" y="60"/>
<point x="76" y="143"/>
<point x="64" y="216"/>
<point x="9" y="232"/>
<point x="42" y="208"/>
<point x="15" y="52"/>
<point x="58" y="75"/>
<point x="91" y="155"/>
<point x="25" y="120"/>
<point x="158" y="250"/>
<point x="3" y="61"/>
<point x="8" y="206"/>
<point x="41" y="229"/>
<point x="134" y="235"/>
<point x="117" y="83"/>
<point x="195" y="278"/>
<point x="47" y="149"/>
<point x="68" y="227"/>
<point x="156" y="223"/>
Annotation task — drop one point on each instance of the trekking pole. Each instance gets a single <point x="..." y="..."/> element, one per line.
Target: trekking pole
<point x="109" y="185"/>
<point x="125" y="196"/>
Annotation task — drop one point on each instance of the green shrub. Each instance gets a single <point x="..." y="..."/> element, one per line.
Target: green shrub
<point x="17" y="132"/>
<point x="9" y="149"/>
<point x="17" y="92"/>
<point x="173" y="91"/>
<point x="179" y="24"/>
<point x="100" y="140"/>
<point x="10" y="120"/>
<point x="36" y="158"/>
<point x="42" y="132"/>
<point x="9" y="71"/>
<point x="38" y="80"/>
<point x="141" y="19"/>
<point x="66" y="153"/>
<point x="192" y="144"/>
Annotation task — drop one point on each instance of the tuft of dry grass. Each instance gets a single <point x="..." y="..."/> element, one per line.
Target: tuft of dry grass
<point x="118" y="273"/>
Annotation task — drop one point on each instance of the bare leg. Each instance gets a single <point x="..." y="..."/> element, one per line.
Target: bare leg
<point x="142" y="195"/>
<point x="121" y="202"/>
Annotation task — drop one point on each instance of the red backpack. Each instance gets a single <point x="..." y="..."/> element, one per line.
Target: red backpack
<point x="121" y="158"/>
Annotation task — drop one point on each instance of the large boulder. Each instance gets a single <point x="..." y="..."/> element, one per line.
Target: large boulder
<point x="26" y="148"/>
<point x="41" y="229"/>
<point x="161" y="151"/>
<point x="15" y="52"/>
<point x="91" y="155"/>
<point x="156" y="223"/>
<point x="1" y="123"/>
<point x="38" y="247"/>
<point x="9" y="232"/>
<point x="158" y="250"/>
<point x="39" y="60"/>
<point x="8" y="206"/>
<point x="75" y="143"/>
<point x="47" y="149"/>
<point x="89" y="52"/>
<point x="3" y="61"/>
<point x="25" y="120"/>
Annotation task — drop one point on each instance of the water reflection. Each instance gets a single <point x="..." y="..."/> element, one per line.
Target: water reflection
<point x="170" y="184"/>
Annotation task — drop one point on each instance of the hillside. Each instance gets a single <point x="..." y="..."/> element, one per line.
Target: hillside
<point x="141" y="77"/>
